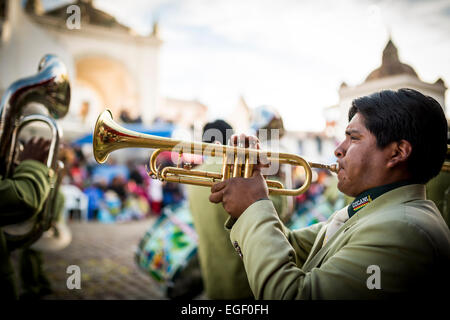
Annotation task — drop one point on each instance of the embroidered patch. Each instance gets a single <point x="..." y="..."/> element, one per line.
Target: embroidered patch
<point x="361" y="203"/>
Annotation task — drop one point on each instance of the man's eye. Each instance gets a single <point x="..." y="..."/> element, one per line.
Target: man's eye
<point x="353" y="138"/>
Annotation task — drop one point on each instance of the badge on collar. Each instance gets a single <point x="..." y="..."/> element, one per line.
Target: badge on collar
<point x="361" y="203"/>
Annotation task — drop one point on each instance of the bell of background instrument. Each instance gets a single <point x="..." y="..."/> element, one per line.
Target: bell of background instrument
<point x="51" y="88"/>
<point x="108" y="136"/>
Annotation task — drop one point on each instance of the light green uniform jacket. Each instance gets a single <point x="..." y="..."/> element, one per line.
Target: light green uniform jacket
<point x="222" y="270"/>
<point x="400" y="233"/>
<point x="21" y="197"/>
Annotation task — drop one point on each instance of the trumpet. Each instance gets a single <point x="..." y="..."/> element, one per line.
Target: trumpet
<point x="109" y="136"/>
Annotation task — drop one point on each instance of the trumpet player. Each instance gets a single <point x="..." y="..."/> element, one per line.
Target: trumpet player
<point x="389" y="242"/>
<point x="23" y="195"/>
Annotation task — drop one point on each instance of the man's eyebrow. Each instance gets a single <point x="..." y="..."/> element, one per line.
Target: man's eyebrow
<point x="352" y="131"/>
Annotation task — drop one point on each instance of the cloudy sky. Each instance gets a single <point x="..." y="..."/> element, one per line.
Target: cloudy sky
<point x="291" y="54"/>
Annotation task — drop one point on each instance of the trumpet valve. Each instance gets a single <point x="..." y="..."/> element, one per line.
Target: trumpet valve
<point x="187" y="166"/>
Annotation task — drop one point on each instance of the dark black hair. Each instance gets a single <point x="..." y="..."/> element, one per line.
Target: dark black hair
<point x="218" y="130"/>
<point x="407" y="114"/>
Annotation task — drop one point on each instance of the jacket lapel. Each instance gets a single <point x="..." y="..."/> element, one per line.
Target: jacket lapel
<point x="321" y="235"/>
<point x="318" y="251"/>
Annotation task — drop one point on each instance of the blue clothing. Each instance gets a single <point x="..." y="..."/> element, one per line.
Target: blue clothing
<point x="95" y="197"/>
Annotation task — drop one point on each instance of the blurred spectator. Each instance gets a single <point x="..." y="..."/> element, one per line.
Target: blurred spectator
<point x="156" y="196"/>
<point x="118" y="185"/>
<point x="125" y="117"/>
<point x="96" y="196"/>
<point x="113" y="207"/>
<point x="173" y="193"/>
<point x="75" y="167"/>
<point x="78" y="175"/>
<point x="134" y="208"/>
<point x="152" y="188"/>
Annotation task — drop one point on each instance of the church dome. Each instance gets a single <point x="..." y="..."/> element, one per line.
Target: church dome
<point x="391" y="65"/>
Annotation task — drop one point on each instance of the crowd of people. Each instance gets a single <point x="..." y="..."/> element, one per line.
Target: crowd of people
<point x="118" y="192"/>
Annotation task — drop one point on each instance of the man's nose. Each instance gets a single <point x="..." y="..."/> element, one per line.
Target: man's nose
<point x="340" y="150"/>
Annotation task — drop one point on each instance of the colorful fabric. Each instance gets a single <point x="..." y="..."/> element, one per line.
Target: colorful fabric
<point x="167" y="246"/>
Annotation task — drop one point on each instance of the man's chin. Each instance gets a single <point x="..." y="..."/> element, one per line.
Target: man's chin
<point x="341" y="187"/>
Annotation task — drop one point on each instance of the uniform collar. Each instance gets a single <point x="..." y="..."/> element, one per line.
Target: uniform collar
<point x="368" y="196"/>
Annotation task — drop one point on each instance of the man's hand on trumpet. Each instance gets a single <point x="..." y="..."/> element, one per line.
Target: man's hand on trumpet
<point x="237" y="194"/>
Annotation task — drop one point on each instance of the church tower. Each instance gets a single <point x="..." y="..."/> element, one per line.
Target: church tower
<point x="391" y="74"/>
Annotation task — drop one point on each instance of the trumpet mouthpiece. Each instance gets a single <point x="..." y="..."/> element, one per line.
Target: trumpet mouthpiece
<point x="334" y="168"/>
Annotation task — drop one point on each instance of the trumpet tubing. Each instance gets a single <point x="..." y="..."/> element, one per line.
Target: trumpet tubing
<point x="109" y="136"/>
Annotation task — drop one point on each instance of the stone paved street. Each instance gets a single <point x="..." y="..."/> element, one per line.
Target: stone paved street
<point x="105" y="255"/>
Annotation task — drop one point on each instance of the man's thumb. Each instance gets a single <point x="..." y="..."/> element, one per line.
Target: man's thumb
<point x="256" y="171"/>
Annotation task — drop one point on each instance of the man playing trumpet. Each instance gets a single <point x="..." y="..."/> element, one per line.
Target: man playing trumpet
<point x="389" y="242"/>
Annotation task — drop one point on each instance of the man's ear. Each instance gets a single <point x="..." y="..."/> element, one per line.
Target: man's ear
<point x="400" y="152"/>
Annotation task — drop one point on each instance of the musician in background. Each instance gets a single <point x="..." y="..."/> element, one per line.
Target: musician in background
<point x="222" y="270"/>
<point x="267" y="125"/>
<point x="23" y="196"/>
<point x="389" y="242"/>
<point x="34" y="281"/>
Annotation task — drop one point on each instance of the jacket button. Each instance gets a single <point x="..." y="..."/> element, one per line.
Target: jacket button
<point x="238" y="249"/>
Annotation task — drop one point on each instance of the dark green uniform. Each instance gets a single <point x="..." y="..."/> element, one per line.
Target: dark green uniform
<point x="438" y="190"/>
<point x="22" y="196"/>
<point x="222" y="269"/>
<point x="34" y="281"/>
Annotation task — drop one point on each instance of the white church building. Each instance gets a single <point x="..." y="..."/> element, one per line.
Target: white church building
<point x="109" y="65"/>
